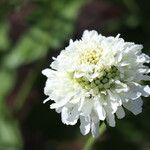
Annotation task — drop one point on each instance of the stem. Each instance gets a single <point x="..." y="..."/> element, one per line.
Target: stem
<point x="91" y="140"/>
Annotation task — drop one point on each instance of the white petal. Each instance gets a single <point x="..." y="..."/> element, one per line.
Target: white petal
<point x="87" y="35"/>
<point x="85" y="125"/>
<point x="119" y="57"/>
<point x="145" y="78"/>
<point x="81" y="103"/>
<point x="94" y="117"/>
<point x="61" y="102"/>
<point x="144" y="90"/>
<point x="111" y="119"/>
<point x="47" y="88"/>
<point x="87" y="107"/>
<point x="75" y="100"/>
<point x="64" y="115"/>
<point x="120" y="112"/>
<point x="114" y="97"/>
<point x="133" y="95"/>
<point x="114" y="106"/>
<point x="78" y="75"/>
<point x="48" y="73"/>
<point x="124" y="64"/>
<point x="95" y="129"/>
<point x="147" y="90"/>
<point x="58" y="110"/>
<point x="137" y="90"/>
<point x="122" y="87"/>
<point x="143" y="58"/>
<point x="135" y="106"/>
<point x="46" y="100"/>
<point x="100" y="110"/>
<point x="144" y="70"/>
<point x="70" y="115"/>
<point x="73" y="115"/>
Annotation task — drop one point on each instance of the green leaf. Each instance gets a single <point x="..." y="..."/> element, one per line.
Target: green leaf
<point x="70" y="9"/>
<point x="10" y="137"/>
<point x="4" y="36"/>
<point x="32" y="46"/>
<point x="7" y="81"/>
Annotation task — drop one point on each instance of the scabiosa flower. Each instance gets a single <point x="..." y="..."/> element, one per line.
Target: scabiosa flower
<point x="95" y="79"/>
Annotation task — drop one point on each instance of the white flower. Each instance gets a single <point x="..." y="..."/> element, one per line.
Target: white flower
<point x="95" y="78"/>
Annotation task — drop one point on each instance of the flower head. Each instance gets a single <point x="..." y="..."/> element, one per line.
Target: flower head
<point x="95" y="78"/>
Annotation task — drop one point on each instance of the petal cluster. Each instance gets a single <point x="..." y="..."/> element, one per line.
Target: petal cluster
<point x="95" y="79"/>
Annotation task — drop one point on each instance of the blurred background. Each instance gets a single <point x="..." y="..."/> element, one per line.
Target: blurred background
<point x="31" y="32"/>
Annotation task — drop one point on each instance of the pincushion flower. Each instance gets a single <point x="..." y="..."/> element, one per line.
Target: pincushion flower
<point x="95" y="79"/>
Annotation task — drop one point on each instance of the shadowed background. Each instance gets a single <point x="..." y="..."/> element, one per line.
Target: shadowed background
<point x="31" y="32"/>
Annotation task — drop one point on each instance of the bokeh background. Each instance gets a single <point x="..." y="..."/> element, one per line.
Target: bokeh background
<point x="31" y="32"/>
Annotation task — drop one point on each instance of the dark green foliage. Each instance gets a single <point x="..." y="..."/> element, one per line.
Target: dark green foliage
<point x="29" y="31"/>
<point x="47" y="24"/>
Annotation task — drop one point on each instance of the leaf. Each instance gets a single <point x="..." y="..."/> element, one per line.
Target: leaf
<point x="70" y="9"/>
<point x="10" y="137"/>
<point x="4" y="36"/>
<point x="7" y="81"/>
<point x="51" y="24"/>
<point x="32" y="46"/>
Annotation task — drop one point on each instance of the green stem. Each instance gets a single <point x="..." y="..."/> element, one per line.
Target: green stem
<point x="91" y="140"/>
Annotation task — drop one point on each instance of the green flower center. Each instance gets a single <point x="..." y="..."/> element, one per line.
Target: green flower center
<point x="104" y="81"/>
